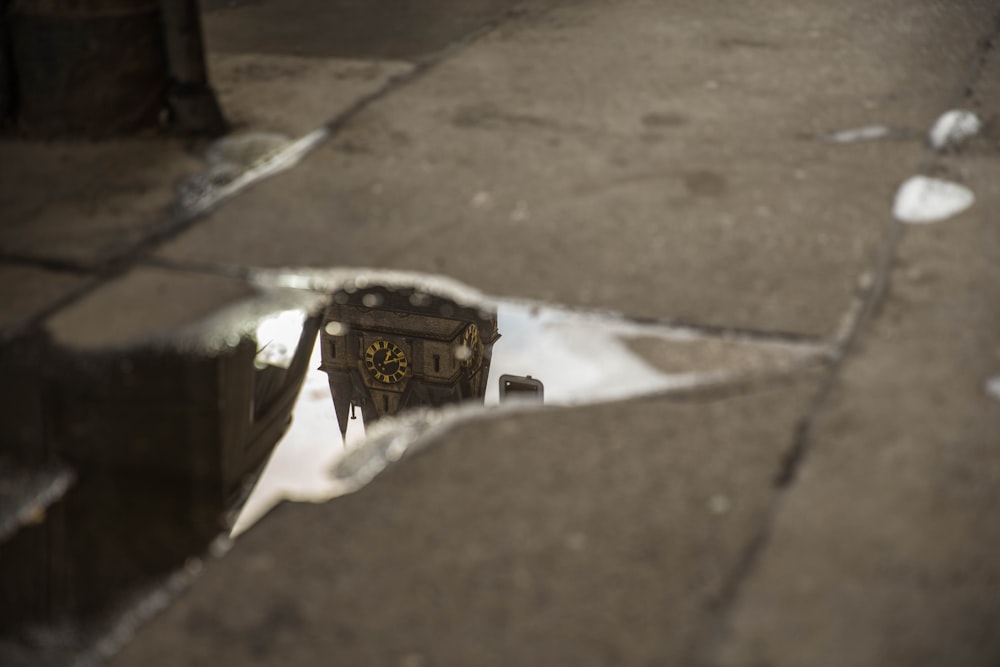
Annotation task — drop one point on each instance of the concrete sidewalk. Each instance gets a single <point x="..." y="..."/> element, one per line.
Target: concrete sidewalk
<point x="674" y="160"/>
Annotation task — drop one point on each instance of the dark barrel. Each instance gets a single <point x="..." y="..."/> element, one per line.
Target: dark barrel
<point x="91" y="67"/>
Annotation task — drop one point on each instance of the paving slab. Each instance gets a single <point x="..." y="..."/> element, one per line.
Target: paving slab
<point x="659" y="158"/>
<point x="89" y="203"/>
<point x="86" y="203"/>
<point x="884" y="550"/>
<point x="29" y="291"/>
<point x="143" y="304"/>
<point x="579" y="536"/>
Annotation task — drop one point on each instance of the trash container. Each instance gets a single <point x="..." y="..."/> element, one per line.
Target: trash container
<point x="91" y="67"/>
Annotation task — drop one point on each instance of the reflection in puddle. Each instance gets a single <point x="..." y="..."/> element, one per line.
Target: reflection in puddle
<point x="155" y="437"/>
<point x="387" y="350"/>
<point x="163" y="427"/>
<point x="382" y="352"/>
<point x="278" y="338"/>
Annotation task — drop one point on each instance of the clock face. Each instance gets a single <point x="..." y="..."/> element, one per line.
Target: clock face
<point x="386" y="362"/>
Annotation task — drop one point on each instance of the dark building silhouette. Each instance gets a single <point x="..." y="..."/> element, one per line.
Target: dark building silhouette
<point x="386" y="350"/>
<point x="118" y="465"/>
<point x="98" y="68"/>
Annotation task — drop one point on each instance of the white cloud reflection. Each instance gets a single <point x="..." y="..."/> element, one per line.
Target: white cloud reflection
<point x="580" y="357"/>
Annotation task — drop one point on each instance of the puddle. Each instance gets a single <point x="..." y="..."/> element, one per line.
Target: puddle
<point x="953" y="128"/>
<point x="173" y="434"/>
<point x="403" y="365"/>
<point x="922" y="200"/>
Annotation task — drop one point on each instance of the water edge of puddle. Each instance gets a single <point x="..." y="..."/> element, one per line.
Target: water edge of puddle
<point x="572" y="357"/>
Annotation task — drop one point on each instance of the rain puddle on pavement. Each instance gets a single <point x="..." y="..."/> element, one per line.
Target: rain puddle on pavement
<point x="170" y="434"/>
<point x="400" y="364"/>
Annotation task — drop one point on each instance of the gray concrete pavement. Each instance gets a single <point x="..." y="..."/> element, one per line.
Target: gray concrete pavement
<point x="85" y="203"/>
<point x="666" y="160"/>
<point x="891" y="515"/>
<point x="683" y="147"/>
<point x="590" y="538"/>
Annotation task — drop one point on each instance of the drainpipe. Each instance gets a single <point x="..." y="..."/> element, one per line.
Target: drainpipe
<point x="192" y="102"/>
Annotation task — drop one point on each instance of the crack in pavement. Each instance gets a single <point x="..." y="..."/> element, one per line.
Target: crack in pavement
<point x="874" y="288"/>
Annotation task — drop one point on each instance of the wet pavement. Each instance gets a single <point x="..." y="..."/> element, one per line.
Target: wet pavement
<point x="747" y="256"/>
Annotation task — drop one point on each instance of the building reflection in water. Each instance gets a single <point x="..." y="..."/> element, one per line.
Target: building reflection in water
<point x="123" y="458"/>
<point x="133" y="457"/>
<point x="387" y="350"/>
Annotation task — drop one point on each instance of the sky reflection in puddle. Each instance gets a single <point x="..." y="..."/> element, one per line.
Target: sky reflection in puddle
<point x="389" y="359"/>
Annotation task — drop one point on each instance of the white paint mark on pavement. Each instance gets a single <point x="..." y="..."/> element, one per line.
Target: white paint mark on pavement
<point x="855" y="134"/>
<point x="238" y="161"/>
<point x="922" y="199"/>
<point x="953" y="128"/>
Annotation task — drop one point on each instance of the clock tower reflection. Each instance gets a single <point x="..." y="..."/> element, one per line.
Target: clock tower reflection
<point x="385" y="350"/>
